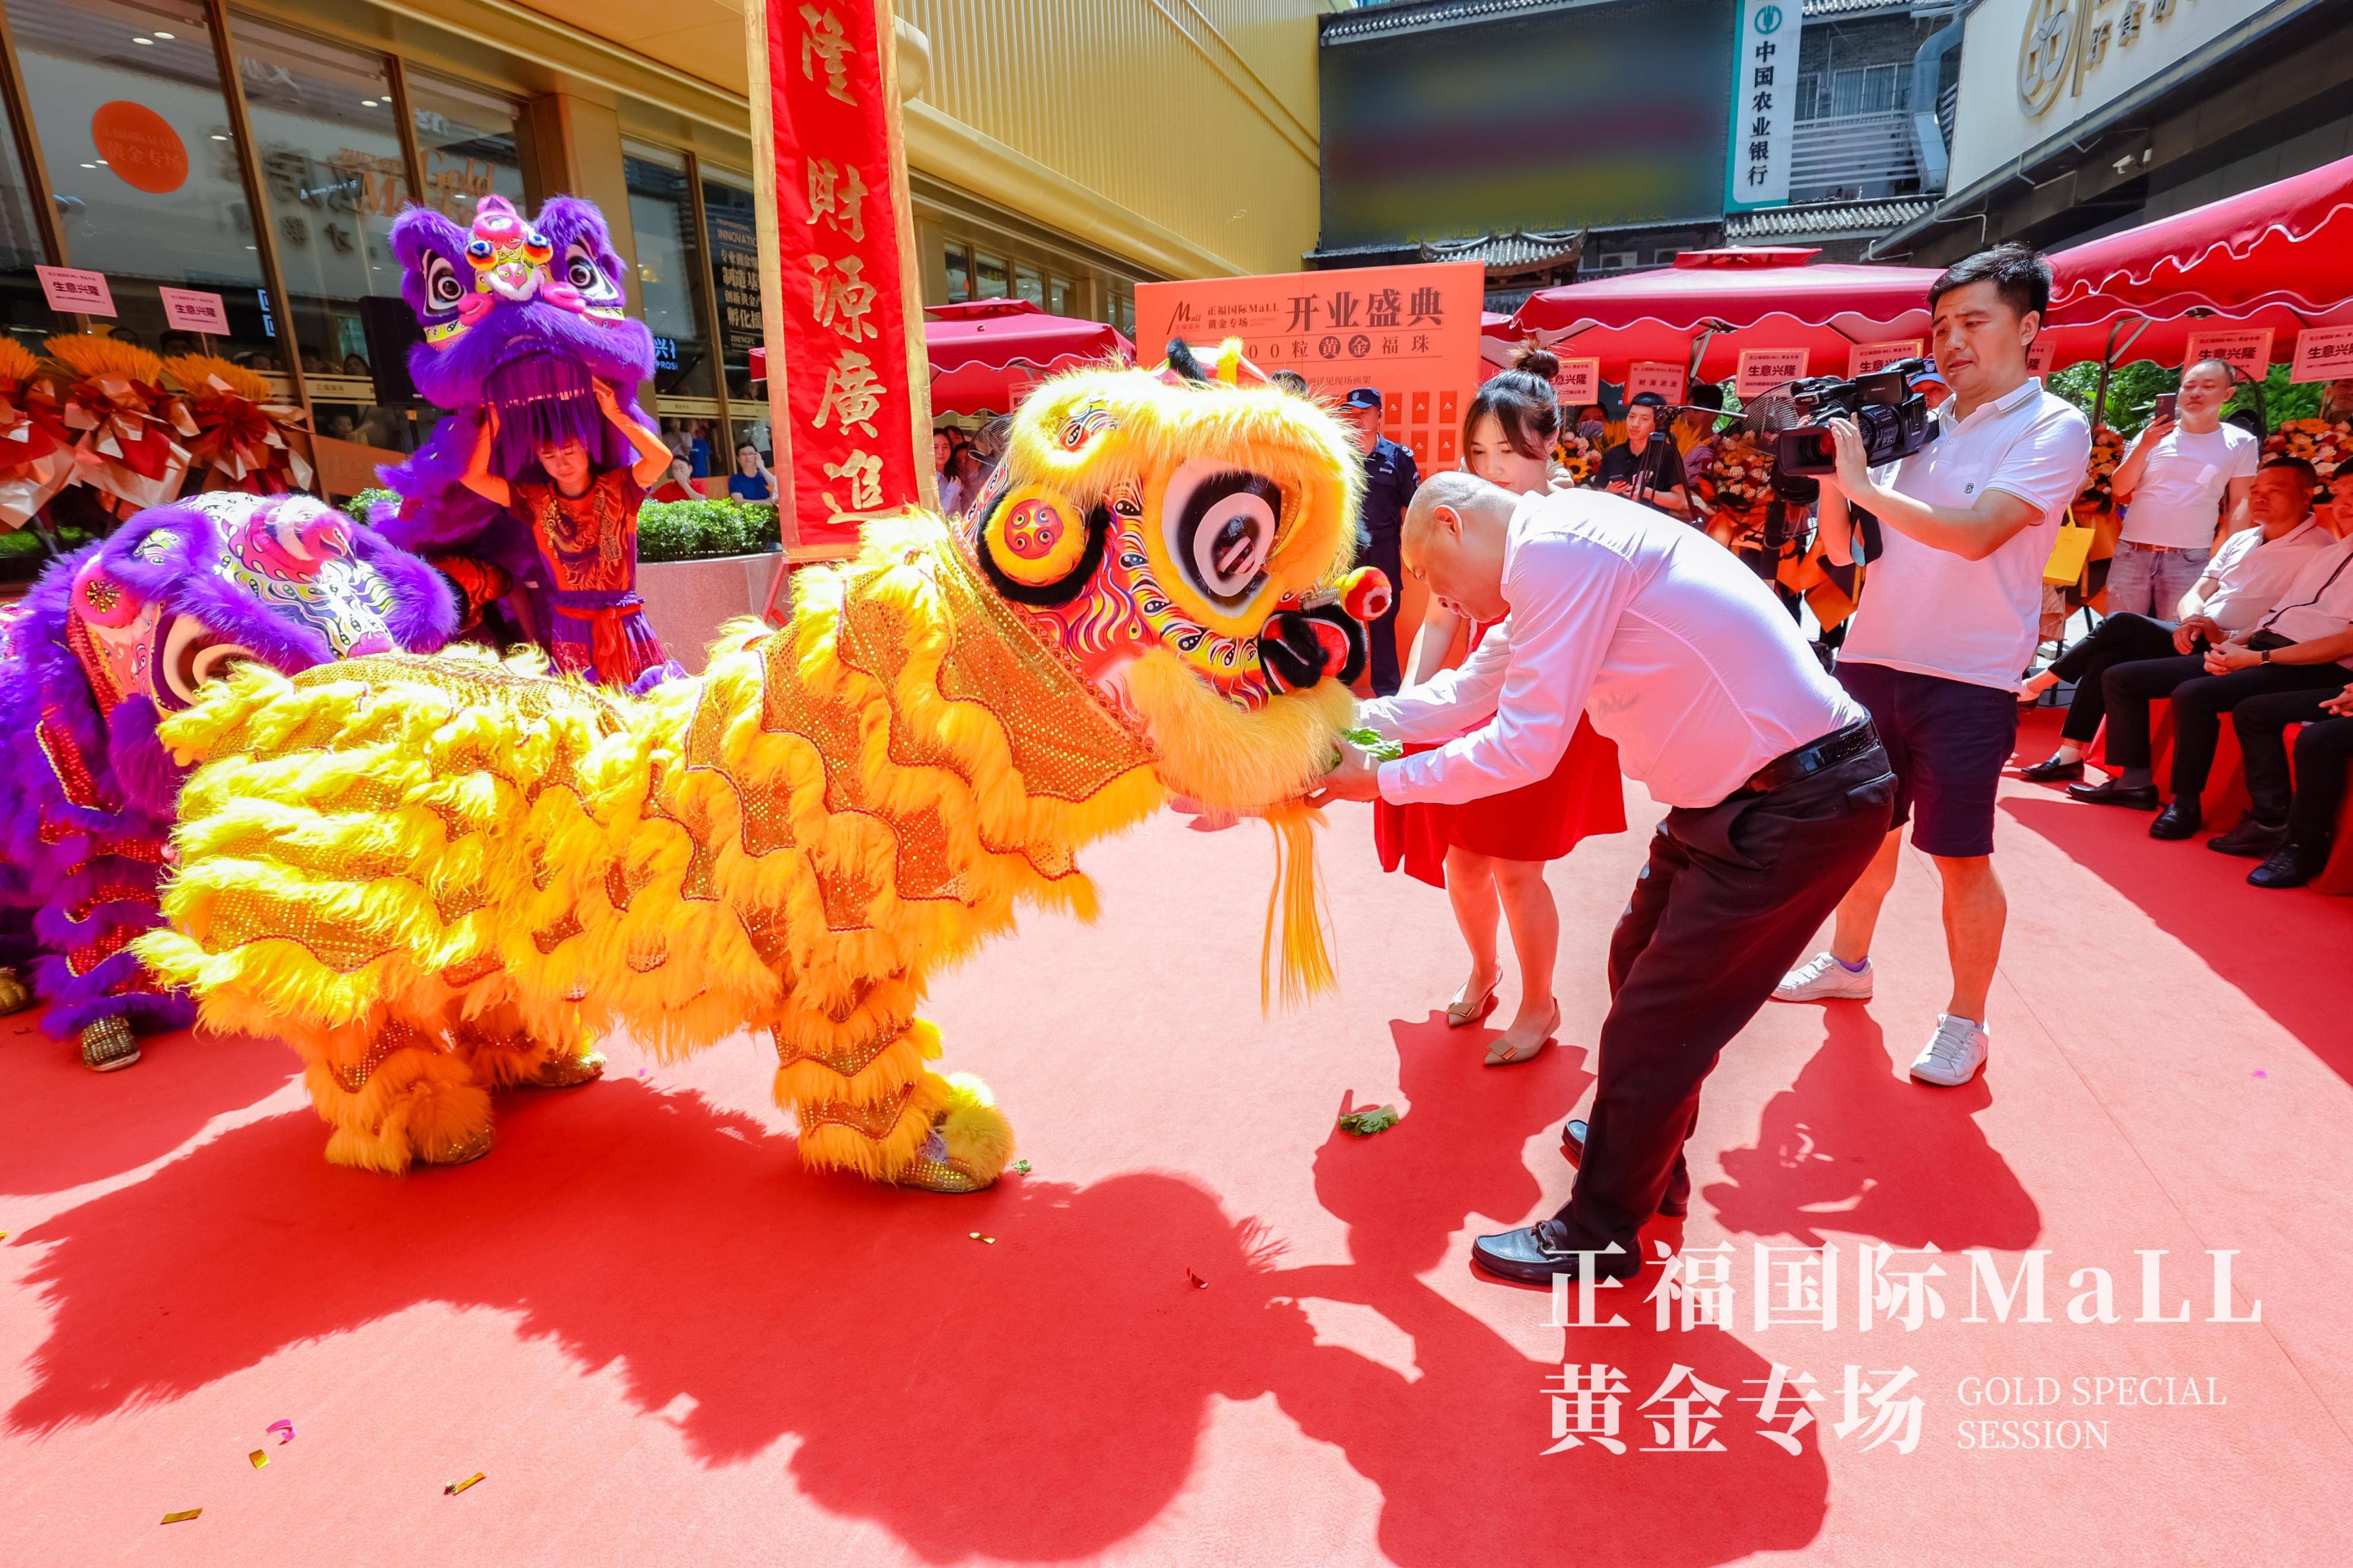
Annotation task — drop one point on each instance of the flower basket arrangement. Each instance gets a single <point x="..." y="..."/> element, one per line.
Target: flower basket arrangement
<point x="129" y="428"/>
<point x="1578" y="457"/>
<point x="2323" y="443"/>
<point x="2099" y="473"/>
<point x="1739" y="483"/>
<point x="240" y="440"/>
<point x="37" y="457"/>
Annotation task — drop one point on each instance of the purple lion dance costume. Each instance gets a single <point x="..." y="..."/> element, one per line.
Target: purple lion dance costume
<point x="109" y="641"/>
<point x="526" y="496"/>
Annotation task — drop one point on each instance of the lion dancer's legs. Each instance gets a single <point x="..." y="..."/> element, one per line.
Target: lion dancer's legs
<point x="393" y="1094"/>
<point x="504" y="1055"/>
<point x="858" y="1079"/>
<point x="99" y="993"/>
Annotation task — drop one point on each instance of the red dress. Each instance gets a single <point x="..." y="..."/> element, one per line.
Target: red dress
<point x="1540" y="821"/>
<point x="589" y="545"/>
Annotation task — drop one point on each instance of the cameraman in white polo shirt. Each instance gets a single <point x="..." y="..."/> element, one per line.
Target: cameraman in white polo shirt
<point x="2176" y="481"/>
<point x="1949" y="617"/>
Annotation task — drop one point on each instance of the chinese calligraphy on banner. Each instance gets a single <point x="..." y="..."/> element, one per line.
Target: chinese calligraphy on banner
<point x="1768" y="370"/>
<point x="848" y="388"/>
<point x="1763" y="101"/>
<point x="2247" y="350"/>
<point x="1865" y="359"/>
<point x="2323" y="353"/>
<point x="1411" y="332"/>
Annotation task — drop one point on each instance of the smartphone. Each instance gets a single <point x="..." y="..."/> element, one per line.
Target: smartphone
<point x="2167" y="402"/>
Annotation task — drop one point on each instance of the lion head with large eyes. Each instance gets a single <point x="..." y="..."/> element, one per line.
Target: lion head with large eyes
<point x="1186" y="540"/>
<point x="506" y="290"/>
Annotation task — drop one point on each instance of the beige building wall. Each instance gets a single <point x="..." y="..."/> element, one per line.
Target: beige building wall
<point x="1177" y="134"/>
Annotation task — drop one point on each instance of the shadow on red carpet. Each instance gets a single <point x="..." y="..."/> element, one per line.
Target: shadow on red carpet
<point x="1853" y="1147"/>
<point x="2264" y="942"/>
<point x="1038" y="1398"/>
<point x="64" y="1128"/>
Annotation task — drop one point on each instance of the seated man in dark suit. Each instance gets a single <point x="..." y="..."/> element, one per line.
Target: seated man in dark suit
<point x="2238" y="588"/>
<point x="2293" y="648"/>
<point x="2291" y="823"/>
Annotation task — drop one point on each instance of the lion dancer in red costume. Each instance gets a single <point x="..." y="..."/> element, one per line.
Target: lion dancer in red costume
<point x="526" y="496"/>
<point x="584" y="520"/>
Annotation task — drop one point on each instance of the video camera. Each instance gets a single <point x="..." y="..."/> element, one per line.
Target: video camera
<point x="1886" y="407"/>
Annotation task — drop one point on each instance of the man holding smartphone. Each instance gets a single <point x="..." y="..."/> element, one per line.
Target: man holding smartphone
<point x="1947" y="623"/>
<point x="2176" y="481"/>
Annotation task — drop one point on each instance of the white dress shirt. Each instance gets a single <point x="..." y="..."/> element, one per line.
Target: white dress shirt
<point x="2251" y="574"/>
<point x="1935" y="613"/>
<point x="1662" y="639"/>
<point x="2319" y="602"/>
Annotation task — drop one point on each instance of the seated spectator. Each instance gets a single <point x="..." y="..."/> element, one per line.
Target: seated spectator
<point x="2296" y="646"/>
<point x="753" y="479"/>
<point x="1645" y="467"/>
<point x="1592" y="423"/>
<point x="2289" y="824"/>
<point x="2239" y="586"/>
<point x="678" y="484"/>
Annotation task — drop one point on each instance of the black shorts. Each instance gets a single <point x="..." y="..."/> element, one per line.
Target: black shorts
<point x="1947" y="741"/>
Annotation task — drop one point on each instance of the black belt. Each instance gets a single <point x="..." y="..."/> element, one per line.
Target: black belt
<point x="1838" y="746"/>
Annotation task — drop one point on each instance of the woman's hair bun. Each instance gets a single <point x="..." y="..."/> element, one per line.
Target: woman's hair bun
<point x="1537" y="360"/>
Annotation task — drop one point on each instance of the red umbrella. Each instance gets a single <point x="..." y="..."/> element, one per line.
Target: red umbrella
<point x="2278" y="256"/>
<point x="987" y="354"/>
<point x="1760" y="298"/>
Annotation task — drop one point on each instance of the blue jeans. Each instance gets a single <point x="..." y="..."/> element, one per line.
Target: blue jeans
<point x="2146" y="581"/>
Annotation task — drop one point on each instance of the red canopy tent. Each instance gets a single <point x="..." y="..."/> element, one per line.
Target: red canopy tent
<point x="2278" y="256"/>
<point x="987" y="352"/>
<point x="1758" y="297"/>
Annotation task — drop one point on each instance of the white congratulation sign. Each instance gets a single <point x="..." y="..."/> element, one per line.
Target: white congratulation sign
<point x="2323" y="353"/>
<point x="1763" y="101"/>
<point x="1767" y="370"/>
<point x="1650" y="375"/>
<point x="2039" y="357"/>
<point x="1579" y="383"/>
<point x="1865" y="359"/>
<point x="2247" y="349"/>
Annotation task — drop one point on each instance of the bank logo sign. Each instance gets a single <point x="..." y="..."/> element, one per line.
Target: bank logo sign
<point x="2067" y="41"/>
<point x="1763" y="101"/>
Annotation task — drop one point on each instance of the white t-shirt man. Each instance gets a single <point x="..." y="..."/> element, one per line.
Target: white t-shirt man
<point x="2319" y="602"/>
<point x="2251" y="574"/>
<point x="2184" y="481"/>
<point x="1935" y="613"/>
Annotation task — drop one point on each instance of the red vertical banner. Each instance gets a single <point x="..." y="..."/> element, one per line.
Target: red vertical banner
<point x="848" y="391"/>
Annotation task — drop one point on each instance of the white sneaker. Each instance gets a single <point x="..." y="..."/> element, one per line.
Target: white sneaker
<point x="1955" y="1052"/>
<point x="1824" y="979"/>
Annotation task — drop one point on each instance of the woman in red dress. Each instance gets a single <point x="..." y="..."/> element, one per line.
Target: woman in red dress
<point x="1489" y="855"/>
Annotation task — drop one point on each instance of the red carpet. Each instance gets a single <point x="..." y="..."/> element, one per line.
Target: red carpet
<point x="660" y="1341"/>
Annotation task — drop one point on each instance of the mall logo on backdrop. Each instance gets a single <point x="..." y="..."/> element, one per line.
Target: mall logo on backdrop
<point x="2066" y="40"/>
<point x="1894" y="1289"/>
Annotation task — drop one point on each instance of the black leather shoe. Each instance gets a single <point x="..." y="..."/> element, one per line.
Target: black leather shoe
<point x="1531" y="1255"/>
<point x="1674" y="1206"/>
<point x="2289" y="865"/>
<point x="2252" y="838"/>
<point x="2180" y="819"/>
<point x="2051" y="770"/>
<point x="2139" y="798"/>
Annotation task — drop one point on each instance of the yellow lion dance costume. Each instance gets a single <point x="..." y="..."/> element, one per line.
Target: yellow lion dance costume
<point x="437" y="877"/>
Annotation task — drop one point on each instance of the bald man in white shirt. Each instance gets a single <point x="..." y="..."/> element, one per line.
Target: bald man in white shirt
<point x="1778" y="792"/>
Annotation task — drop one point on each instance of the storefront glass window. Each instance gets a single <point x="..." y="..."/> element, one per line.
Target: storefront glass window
<point x="671" y="275"/>
<point x="328" y="147"/>
<point x="466" y="138"/>
<point x="127" y="100"/>
<point x="1028" y="285"/>
<point x="734" y="244"/>
<point x="24" y="314"/>
<point x="959" y="275"/>
<point x="1057" y="296"/>
<point x="989" y="277"/>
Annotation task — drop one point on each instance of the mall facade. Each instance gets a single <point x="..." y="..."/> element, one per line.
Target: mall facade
<point x="259" y="151"/>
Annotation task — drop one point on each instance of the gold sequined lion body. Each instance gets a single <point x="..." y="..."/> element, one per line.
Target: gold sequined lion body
<point x="440" y="876"/>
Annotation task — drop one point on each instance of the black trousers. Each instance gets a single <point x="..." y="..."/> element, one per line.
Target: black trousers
<point x="2199" y="701"/>
<point x="1731" y="895"/>
<point x="2119" y="639"/>
<point x="1385" y="551"/>
<point x="2308" y="799"/>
